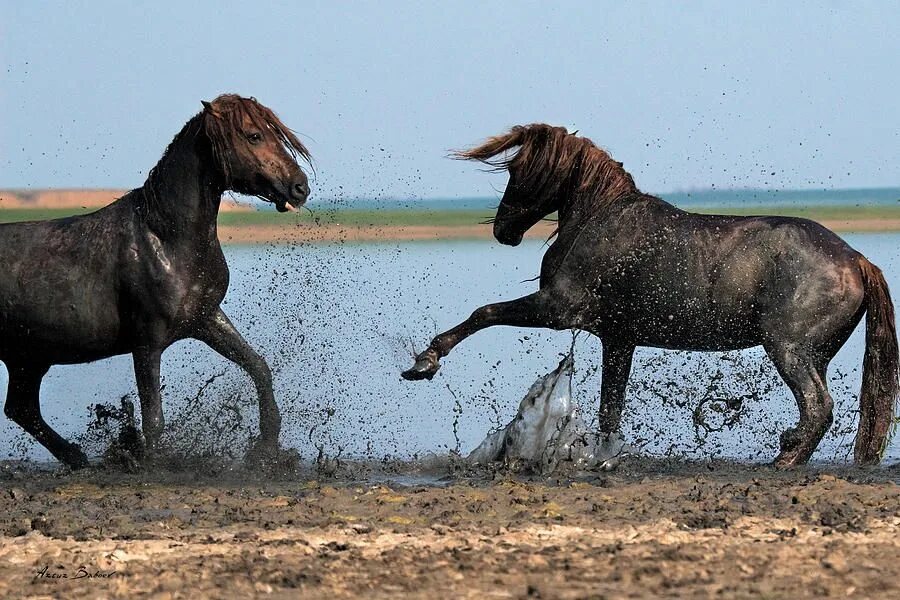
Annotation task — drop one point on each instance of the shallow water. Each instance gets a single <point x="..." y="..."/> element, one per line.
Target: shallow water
<point x="339" y="322"/>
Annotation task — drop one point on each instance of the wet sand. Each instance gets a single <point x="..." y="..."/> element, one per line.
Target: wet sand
<point x="652" y="529"/>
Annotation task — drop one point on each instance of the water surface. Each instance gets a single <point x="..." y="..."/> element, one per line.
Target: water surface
<point x="338" y="322"/>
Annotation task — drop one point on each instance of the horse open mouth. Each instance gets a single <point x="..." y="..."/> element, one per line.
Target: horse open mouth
<point x="287" y="204"/>
<point x="293" y="198"/>
<point x="282" y="205"/>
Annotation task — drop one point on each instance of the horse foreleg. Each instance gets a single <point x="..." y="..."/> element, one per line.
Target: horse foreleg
<point x="23" y="407"/>
<point x="535" y="310"/>
<point x="146" y="373"/>
<point x="220" y="335"/>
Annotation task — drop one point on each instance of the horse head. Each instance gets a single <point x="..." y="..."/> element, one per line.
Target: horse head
<point x="256" y="152"/>
<point x="548" y="169"/>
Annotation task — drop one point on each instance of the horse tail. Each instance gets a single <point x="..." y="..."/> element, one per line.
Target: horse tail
<point x="881" y="369"/>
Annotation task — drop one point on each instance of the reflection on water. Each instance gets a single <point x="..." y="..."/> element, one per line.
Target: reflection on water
<point x="339" y="322"/>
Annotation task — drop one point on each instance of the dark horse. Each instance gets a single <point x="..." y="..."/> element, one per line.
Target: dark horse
<point x="145" y="271"/>
<point x="636" y="271"/>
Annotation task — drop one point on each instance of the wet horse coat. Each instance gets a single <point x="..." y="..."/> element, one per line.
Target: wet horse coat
<point x="636" y="271"/>
<point x="145" y="271"/>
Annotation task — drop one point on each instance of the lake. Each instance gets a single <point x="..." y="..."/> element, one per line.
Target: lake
<point x="338" y="322"/>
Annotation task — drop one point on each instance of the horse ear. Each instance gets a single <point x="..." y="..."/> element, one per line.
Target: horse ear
<point x="208" y="107"/>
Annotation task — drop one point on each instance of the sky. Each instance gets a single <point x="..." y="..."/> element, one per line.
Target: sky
<point x="688" y="96"/>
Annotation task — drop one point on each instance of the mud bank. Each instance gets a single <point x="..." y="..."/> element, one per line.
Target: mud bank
<point x="652" y="528"/>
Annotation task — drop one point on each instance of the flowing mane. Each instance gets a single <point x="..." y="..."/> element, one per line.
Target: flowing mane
<point x="225" y="121"/>
<point x="550" y="160"/>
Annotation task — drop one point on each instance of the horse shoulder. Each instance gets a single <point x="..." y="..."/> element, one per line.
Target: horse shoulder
<point x="169" y="283"/>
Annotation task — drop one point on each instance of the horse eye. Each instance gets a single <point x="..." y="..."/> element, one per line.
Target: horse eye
<point x="254" y="138"/>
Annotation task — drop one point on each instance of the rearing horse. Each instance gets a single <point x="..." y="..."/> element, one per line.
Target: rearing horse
<point x="636" y="271"/>
<point x="145" y="271"/>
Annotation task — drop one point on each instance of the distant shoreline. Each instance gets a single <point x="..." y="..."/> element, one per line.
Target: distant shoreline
<point x="258" y="234"/>
<point x="258" y="227"/>
<point x="65" y="197"/>
<point x="396" y="220"/>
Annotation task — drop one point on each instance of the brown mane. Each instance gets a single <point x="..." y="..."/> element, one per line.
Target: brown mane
<point x="227" y="114"/>
<point x="550" y="158"/>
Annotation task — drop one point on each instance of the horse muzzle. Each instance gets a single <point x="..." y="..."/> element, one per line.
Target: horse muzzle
<point x="506" y="237"/>
<point x="296" y="196"/>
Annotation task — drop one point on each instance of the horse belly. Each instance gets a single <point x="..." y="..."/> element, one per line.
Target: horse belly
<point x="678" y="318"/>
<point x="703" y="333"/>
<point x="58" y="330"/>
<point x="681" y="338"/>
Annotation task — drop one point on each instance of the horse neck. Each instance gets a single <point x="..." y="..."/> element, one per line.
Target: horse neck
<point x="182" y="194"/>
<point x="574" y="208"/>
<point x="577" y="207"/>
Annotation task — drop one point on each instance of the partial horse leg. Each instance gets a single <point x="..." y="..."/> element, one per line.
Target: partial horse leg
<point x="535" y="310"/>
<point x="616" y="367"/>
<point x="220" y="335"/>
<point x="805" y="374"/>
<point x="23" y="407"/>
<point x="146" y="372"/>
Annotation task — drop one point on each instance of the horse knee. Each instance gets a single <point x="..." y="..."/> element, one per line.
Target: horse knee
<point x="484" y="313"/>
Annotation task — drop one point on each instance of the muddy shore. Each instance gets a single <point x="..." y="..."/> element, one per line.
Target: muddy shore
<point x="651" y="529"/>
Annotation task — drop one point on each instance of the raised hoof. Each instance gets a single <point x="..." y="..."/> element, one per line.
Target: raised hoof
<point x="425" y="368"/>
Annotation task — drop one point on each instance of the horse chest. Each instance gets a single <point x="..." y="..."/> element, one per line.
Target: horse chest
<point x="179" y="284"/>
<point x="192" y="293"/>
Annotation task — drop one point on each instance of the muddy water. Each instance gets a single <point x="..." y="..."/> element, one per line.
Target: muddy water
<point x="338" y="322"/>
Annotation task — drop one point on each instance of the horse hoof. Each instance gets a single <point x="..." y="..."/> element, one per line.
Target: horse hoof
<point x="260" y="452"/>
<point x="784" y="464"/>
<point x="425" y="368"/>
<point x="610" y="464"/>
<point x="271" y="458"/>
<point x="789" y="460"/>
<point x="76" y="459"/>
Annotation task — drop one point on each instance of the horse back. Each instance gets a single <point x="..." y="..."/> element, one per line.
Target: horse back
<point x="674" y="279"/>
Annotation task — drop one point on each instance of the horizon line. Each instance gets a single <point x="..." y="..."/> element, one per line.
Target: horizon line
<point x="684" y="191"/>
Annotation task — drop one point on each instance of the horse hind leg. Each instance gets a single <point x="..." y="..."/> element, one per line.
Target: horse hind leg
<point x="23" y="407"/>
<point x="805" y="375"/>
<point x="616" y="368"/>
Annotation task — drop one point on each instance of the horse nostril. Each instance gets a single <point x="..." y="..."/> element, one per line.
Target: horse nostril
<point x="301" y="189"/>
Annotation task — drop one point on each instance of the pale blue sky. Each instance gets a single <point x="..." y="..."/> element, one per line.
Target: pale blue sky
<point x="719" y="94"/>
